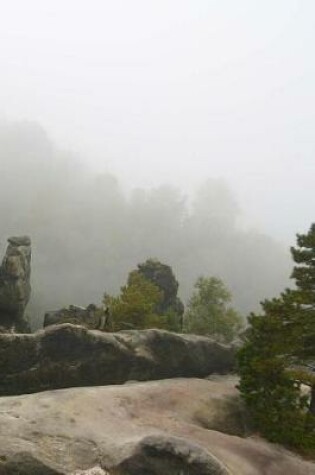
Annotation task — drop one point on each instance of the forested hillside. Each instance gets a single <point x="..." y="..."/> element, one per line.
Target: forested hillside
<point x="88" y="232"/>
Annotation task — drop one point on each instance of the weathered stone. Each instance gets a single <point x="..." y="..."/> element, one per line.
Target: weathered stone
<point x="19" y="241"/>
<point x="164" y="454"/>
<point x="67" y="355"/>
<point x="91" y="471"/>
<point x="15" y="287"/>
<point x="147" y="428"/>
<point x="24" y="463"/>
<point x="88" y="317"/>
<point x="163" y="277"/>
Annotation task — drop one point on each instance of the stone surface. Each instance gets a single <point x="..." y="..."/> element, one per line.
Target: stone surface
<point x="91" y="471"/>
<point x="68" y="355"/>
<point x="151" y="428"/>
<point x="88" y="317"/>
<point x="15" y="287"/>
<point x="162" y="275"/>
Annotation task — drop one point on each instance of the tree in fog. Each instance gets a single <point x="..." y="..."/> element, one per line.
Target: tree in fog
<point x="209" y="312"/>
<point x="148" y="300"/>
<point x="170" y="306"/>
<point x="135" y="306"/>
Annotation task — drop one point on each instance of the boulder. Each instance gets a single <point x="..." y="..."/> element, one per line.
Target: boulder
<point x="162" y="275"/>
<point x="150" y="428"/>
<point x="15" y="287"/>
<point x="88" y="317"/>
<point x="68" y="355"/>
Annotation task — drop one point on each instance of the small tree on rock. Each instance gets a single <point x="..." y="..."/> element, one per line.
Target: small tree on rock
<point x="135" y="307"/>
<point x="149" y="300"/>
<point x="169" y="306"/>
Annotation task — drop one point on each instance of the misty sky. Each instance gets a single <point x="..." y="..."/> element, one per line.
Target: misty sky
<point x="174" y="91"/>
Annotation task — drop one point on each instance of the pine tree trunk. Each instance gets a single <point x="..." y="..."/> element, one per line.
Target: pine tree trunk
<point x="312" y="404"/>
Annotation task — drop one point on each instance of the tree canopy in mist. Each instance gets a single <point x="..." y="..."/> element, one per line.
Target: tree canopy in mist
<point x="88" y="232"/>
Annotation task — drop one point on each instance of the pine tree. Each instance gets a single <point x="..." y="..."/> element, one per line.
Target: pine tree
<point x="303" y="297"/>
<point x="278" y="356"/>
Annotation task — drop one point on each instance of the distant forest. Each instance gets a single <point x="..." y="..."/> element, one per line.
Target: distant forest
<point x="88" y="233"/>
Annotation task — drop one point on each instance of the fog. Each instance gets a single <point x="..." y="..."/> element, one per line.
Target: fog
<point x="175" y="129"/>
<point x="88" y="233"/>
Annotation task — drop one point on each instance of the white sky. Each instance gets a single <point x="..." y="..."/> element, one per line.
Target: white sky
<point x="174" y="91"/>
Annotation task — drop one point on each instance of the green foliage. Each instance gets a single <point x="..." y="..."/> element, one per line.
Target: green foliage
<point x="273" y="397"/>
<point x="149" y="300"/>
<point x="208" y="311"/>
<point x="278" y="354"/>
<point x="170" y="307"/>
<point x="135" y="306"/>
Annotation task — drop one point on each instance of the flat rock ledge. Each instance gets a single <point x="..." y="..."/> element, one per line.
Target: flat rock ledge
<point x="67" y="355"/>
<point x="170" y="427"/>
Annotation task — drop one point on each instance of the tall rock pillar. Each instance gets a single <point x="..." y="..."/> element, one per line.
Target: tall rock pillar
<point x="15" y="287"/>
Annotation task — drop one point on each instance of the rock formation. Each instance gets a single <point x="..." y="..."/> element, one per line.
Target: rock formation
<point x="67" y="355"/>
<point x="170" y="427"/>
<point x="163" y="277"/>
<point x="88" y="317"/>
<point x="15" y="288"/>
<point x="174" y="427"/>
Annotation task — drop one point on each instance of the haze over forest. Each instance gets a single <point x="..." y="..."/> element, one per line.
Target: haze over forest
<point x="178" y="130"/>
<point x="88" y="233"/>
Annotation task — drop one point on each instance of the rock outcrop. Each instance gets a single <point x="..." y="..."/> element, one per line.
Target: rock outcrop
<point x="67" y="355"/>
<point x="162" y="275"/>
<point x="15" y="287"/>
<point x="88" y="317"/>
<point x="168" y="427"/>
